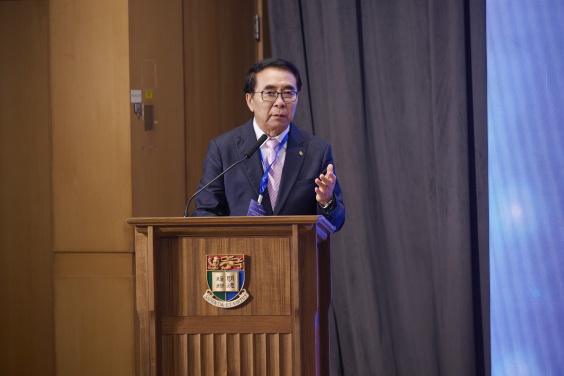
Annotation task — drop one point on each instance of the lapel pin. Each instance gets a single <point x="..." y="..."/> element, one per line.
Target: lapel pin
<point x="301" y="152"/>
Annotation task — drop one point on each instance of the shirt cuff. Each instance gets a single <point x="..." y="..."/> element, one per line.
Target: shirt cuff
<point x="329" y="204"/>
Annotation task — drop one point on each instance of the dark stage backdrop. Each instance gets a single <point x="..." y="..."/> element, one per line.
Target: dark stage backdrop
<point x="398" y="88"/>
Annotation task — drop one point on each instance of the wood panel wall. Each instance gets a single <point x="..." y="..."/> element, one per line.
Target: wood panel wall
<point x="90" y="125"/>
<point x="93" y="314"/>
<point x="91" y="184"/>
<point x="26" y="312"/>
<point x="76" y="162"/>
<point x="156" y="64"/>
<point x="219" y="47"/>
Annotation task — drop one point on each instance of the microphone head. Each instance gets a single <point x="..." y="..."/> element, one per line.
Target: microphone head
<point x="255" y="147"/>
<point x="262" y="139"/>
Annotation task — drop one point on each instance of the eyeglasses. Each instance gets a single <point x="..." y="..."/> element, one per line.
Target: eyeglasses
<point x="271" y="95"/>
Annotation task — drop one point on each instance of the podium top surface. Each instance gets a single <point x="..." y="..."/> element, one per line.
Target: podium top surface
<point x="323" y="224"/>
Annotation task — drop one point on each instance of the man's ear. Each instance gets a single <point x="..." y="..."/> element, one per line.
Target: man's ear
<point x="249" y="98"/>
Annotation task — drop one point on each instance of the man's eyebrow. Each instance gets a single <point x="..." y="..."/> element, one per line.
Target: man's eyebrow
<point x="272" y="87"/>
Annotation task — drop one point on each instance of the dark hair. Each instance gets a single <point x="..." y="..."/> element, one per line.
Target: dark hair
<point x="272" y="62"/>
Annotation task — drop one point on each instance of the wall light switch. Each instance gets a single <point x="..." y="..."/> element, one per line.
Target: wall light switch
<point x="136" y="96"/>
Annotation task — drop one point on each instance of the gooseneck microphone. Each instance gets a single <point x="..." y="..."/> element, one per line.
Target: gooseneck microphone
<point x="252" y="150"/>
<point x="255" y="147"/>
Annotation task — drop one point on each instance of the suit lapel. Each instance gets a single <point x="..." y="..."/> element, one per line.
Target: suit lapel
<point x="253" y="167"/>
<point x="292" y="166"/>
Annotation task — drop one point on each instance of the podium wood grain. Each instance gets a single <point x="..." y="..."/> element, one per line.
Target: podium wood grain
<point x="287" y="276"/>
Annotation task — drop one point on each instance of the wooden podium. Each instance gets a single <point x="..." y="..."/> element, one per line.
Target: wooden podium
<point x="281" y="329"/>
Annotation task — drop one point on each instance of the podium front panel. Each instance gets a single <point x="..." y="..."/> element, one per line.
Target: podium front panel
<point x="183" y="275"/>
<point x="280" y="329"/>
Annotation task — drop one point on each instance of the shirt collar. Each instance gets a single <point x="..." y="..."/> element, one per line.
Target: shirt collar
<point x="280" y="137"/>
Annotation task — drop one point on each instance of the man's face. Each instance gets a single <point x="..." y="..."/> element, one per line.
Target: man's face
<point x="273" y="117"/>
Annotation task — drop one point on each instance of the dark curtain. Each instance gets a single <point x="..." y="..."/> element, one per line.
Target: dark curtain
<point x="398" y="88"/>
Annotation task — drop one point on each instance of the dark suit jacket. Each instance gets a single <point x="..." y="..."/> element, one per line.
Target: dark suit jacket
<point x="232" y="193"/>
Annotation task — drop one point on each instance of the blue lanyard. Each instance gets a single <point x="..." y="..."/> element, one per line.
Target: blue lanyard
<point x="264" y="180"/>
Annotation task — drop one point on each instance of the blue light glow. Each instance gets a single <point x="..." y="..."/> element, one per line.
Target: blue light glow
<point x="525" y="46"/>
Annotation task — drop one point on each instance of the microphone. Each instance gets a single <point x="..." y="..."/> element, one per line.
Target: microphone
<point x="252" y="150"/>
<point x="255" y="147"/>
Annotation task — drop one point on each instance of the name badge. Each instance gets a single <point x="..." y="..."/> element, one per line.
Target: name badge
<point x="256" y="209"/>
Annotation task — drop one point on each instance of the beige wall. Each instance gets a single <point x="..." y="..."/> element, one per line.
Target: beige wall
<point x="76" y="162"/>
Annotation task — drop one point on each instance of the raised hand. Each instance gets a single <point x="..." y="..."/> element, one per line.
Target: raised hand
<point x="325" y="185"/>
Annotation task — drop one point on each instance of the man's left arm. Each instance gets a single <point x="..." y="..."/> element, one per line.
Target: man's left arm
<point x="328" y="193"/>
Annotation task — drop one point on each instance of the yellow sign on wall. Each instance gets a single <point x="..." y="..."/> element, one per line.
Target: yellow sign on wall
<point x="148" y="94"/>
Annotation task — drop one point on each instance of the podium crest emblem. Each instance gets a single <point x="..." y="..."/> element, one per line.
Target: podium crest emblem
<point x="225" y="275"/>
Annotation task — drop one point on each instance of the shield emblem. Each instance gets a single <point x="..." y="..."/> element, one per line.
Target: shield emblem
<point x="225" y="276"/>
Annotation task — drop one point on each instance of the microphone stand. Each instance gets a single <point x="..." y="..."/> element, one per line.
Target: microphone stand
<point x="204" y="187"/>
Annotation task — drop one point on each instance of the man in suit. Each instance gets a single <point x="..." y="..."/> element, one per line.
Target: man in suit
<point x="301" y="176"/>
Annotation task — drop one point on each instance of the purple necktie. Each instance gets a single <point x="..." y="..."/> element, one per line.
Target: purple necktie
<point x="275" y="171"/>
